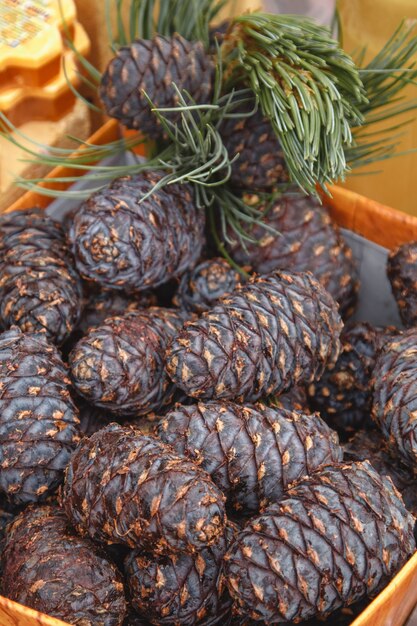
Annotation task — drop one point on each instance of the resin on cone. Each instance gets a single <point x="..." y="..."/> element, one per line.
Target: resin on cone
<point x="39" y="426"/>
<point x="121" y="241"/>
<point x="252" y="453"/>
<point x="336" y="537"/>
<point x="275" y="332"/>
<point x="125" y="487"/>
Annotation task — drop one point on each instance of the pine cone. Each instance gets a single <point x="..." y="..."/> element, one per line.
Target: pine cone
<point x="122" y="242"/>
<point x="343" y="395"/>
<point x="275" y="332"/>
<point x="38" y="420"/>
<point x="374" y="447"/>
<point x="150" y="69"/>
<point x="125" y="487"/>
<point x="253" y="453"/>
<point x="181" y="590"/>
<point x="48" y="568"/>
<point x="337" y="536"/>
<point x="395" y="394"/>
<point x="402" y="274"/>
<point x="259" y="160"/>
<point x="39" y="287"/>
<point x="120" y="365"/>
<point x="306" y="240"/>
<point x="201" y="288"/>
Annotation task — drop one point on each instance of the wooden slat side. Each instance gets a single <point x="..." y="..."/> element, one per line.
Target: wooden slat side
<point x="395" y="603"/>
<point x="374" y="221"/>
<point x="110" y="131"/>
<point x="14" y="614"/>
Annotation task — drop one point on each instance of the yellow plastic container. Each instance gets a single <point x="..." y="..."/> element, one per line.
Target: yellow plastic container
<point x="31" y="40"/>
<point x="52" y="100"/>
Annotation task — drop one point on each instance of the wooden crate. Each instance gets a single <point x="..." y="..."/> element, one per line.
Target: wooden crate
<point x="376" y="222"/>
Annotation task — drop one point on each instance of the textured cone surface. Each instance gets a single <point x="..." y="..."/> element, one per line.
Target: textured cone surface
<point x="402" y="274"/>
<point x="253" y="453"/>
<point x="125" y="487"/>
<point x="38" y="419"/>
<point x="374" y="447"/>
<point x="343" y="395"/>
<point x="337" y="536"/>
<point x="260" y="163"/>
<point x="395" y="394"/>
<point x="306" y="240"/>
<point x="153" y="66"/>
<point x="48" y="568"/>
<point x="121" y="242"/>
<point x="120" y="365"/>
<point x="275" y="332"/>
<point x="181" y="590"/>
<point x="39" y="287"/>
<point x="201" y="288"/>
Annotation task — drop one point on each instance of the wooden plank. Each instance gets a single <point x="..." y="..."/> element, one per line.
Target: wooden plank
<point x="110" y="131"/>
<point x="14" y="614"/>
<point x="374" y="221"/>
<point x="395" y="603"/>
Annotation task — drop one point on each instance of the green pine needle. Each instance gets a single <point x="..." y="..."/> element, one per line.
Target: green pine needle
<point x="307" y="86"/>
<point x="189" y="18"/>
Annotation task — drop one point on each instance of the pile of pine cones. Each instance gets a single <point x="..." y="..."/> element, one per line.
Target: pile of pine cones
<point x="172" y="471"/>
<point x="178" y="461"/>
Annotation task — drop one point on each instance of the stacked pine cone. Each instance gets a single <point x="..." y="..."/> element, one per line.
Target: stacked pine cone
<point x="177" y="460"/>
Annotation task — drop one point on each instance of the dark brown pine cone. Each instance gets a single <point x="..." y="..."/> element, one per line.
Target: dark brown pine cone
<point x="48" y="568"/>
<point x="122" y="242"/>
<point x="260" y="163"/>
<point x="181" y="590"/>
<point x="202" y="287"/>
<point x="39" y="427"/>
<point x="39" y="287"/>
<point x="125" y="487"/>
<point x="252" y="453"/>
<point x="149" y="69"/>
<point x="402" y="274"/>
<point x="306" y="240"/>
<point x="374" y="447"/>
<point x="343" y="395"/>
<point x="336" y="537"/>
<point x="275" y="332"/>
<point x="120" y="365"/>
<point x="395" y="394"/>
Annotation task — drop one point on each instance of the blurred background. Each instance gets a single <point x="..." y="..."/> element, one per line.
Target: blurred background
<point x="39" y="101"/>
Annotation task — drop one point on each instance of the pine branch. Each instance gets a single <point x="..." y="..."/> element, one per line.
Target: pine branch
<point x="189" y="18"/>
<point x="307" y="86"/>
